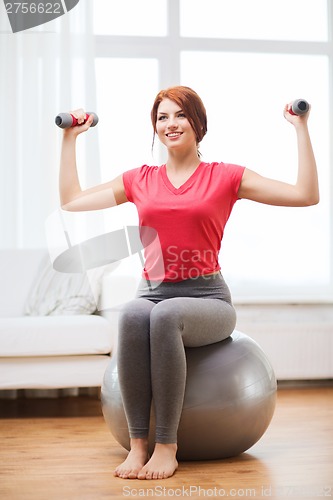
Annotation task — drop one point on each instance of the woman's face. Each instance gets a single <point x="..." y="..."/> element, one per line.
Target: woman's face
<point x="172" y="126"/>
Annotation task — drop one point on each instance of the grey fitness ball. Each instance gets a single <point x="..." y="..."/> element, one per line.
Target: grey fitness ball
<point x="229" y="400"/>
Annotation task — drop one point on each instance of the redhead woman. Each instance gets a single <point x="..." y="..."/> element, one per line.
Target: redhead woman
<point x="182" y="299"/>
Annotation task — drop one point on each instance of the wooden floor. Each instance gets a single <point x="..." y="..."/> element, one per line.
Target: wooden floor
<point x="62" y="449"/>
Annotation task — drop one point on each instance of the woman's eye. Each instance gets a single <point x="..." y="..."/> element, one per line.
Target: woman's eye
<point x="181" y="115"/>
<point x="162" y="118"/>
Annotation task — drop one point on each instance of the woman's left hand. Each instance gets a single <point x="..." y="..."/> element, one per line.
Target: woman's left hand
<point x="273" y="192"/>
<point x="295" y="119"/>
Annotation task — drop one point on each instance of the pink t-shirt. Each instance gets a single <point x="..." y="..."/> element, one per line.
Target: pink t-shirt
<point x="189" y="220"/>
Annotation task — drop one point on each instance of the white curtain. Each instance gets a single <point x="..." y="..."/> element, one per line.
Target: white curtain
<point x="43" y="71"/>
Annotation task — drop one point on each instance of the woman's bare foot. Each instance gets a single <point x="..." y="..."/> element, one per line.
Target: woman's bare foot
<point x="135" y="460"/>
<point x="162" y="464"/>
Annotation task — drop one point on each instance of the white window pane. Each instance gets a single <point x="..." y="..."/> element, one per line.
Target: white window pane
<point x="126" y="89"/>
<point x="255" y="19"/>
<point x="267" y="250"/>
<point x="130" y="17"/>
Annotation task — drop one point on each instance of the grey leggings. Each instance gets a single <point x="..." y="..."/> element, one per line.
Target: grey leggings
<point x="153" y="330"/>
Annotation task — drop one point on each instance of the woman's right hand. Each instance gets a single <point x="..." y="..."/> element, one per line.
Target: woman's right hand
<point x="72" y="197"/>
<point x="82" y="126"/>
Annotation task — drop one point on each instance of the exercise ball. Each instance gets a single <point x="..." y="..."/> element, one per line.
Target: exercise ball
<point x="229" y="400"/>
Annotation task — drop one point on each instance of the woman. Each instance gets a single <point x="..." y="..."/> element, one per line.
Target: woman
<point x="184" y="301"/>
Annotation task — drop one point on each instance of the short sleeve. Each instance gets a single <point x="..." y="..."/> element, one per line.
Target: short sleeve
<point x="234" y="175"/>
<point x="128" y="178"/>
<point x="137" y="182"/>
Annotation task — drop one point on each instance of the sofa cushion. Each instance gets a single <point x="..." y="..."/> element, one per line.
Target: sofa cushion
<point x="52" y="372"/>
<point x="55" y="335"/>
<point x="55" y="293"/>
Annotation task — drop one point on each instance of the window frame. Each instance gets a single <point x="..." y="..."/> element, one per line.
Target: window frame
<point x="167" y="50"/>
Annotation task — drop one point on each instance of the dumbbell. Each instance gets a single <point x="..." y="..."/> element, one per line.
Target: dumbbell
<point x="67" y="120"/>
<point x="299" y="107"/>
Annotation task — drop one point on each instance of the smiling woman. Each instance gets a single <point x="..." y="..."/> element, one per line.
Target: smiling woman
<point x="172" y="126"/>
<point x="187" y="203"/>
<point x="189" y="105"/>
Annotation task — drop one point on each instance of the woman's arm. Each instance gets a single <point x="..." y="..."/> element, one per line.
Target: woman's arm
<point x="72" y="197"/>
<point x="305" y="192"/>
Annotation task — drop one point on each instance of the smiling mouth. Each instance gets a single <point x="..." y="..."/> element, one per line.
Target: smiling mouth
<point x="174" y="134"/>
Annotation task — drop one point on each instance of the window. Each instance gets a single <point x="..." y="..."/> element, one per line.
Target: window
<point x="246" y="127"/>
<point x="257" y="19"/>
<point x="245" y="66"/>
<point x="130" y="17"/>
<point x="125" y="87"/>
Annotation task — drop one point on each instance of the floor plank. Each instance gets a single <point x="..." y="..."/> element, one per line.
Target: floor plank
<point x="62" y="449"/>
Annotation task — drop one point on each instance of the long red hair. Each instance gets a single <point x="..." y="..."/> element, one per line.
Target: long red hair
<point x="190" y="103"/>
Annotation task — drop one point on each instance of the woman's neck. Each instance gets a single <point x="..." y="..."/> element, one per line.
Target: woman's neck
<point x="184" y="162"/>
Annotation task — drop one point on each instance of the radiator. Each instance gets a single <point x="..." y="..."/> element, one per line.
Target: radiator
<point x="297" y="339"/>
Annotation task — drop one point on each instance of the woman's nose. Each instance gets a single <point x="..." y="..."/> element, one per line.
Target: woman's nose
<point x="172" y="122"/>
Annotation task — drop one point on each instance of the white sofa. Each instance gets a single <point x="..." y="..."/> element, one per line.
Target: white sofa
<point x="66" y="351"/>
<point x="47" y="351"/>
